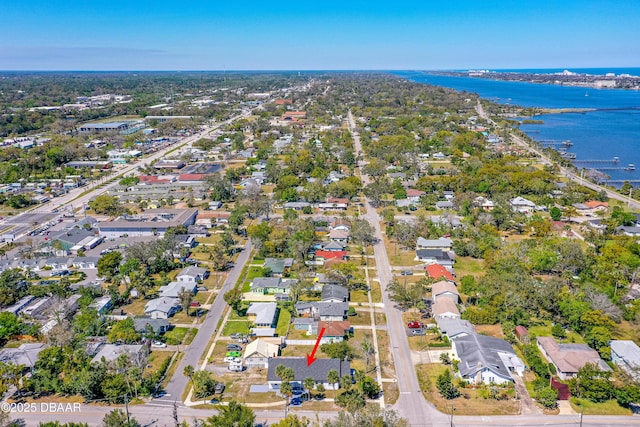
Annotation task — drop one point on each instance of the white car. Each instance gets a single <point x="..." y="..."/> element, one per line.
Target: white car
<point x="232" y="360"/>
<point x="158" y="344"/>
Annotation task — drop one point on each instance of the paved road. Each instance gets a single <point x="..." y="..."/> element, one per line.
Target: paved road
<point x="198" y="347"/>
<point x="411" y="403"/>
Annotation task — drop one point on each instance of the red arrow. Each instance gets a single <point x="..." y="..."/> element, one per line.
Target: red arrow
<point x="311" y="359"/>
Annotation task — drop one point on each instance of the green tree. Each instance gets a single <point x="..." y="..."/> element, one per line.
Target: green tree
<point x="599" y="338"/>
<point x="351" y="400"/>
<point x="370" y="388"/>
<point x="233" y="297"/>
<point x="292" y="420"/>
<point x="555" y="213"/>
<point x="445" y="385"/>
<point x="185" y="297"/>
<point x="547" y="397"/>
<point x="233" y="415"/>
<point x="333" y="377"/>
<point x="117" y="418"/>
<point x="106" y="204"/>
<point x="338" y="350"/>
<point x="109" y="264"/>
<point x="203" y="384"/>
<point x="592" y="384"/>
<point x="124" y="331"/>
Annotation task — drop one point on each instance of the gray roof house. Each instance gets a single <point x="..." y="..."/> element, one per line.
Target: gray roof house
<point x="278" y="265"/>
<point x="263" y="314"/>
<point x="436" y="256"/>
<point x="325" y="311"/>
<point x="626" y="354"/>
<point x="26" y="354"/>
<point x="271" y="285"/>
<point x="442" y="243"/>
<point x="161" y="308"/>
<point x="454" y="327"/>
<point x="486" y="360"/>
<point x="85" y="263"/>
<point x="157" y="325"/>
<point x="334" y="293"/>
<point x="192" y="274"/>
<point x="173" y="289"/>
<point x="318" y="371"/>
<point x="569" y="358"/>
<point x="111" y="352"/>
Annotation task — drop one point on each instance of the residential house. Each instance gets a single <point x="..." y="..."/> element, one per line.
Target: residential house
<point x="296" y="206"/>
<point x="278" y="266"/>
<point x="25" y="355"/>
<point x="58" y="263"/>
<point x="161" y="308"/>
<point x="438" y="272"/>
<point x="321" y="257"/>
<point x="263" y="314"/>
<point x="628" y="230"/>
<point x="449" y="195"/>
<point x="325" y="311"/>
<point x="318" y="370"/>
<point x="436" y="256"/>
<point x="454" y="327"/>
<point x="484" y="203"/>
<point x="198" y="231"/>
<point x="174" y="289"/>
<point x="334" y="293"/>
<point x="444" y="205"/>
<point x="192" y="274"/>
<point x="111" y="352"/>
<point x="339" y="236"/>
<point x="334" y="331"/>
<point x="445" y="289"/>
<point x="102" y="305"/>
<point x="157" y="326"/>
<point x="415" y="195"/>
<point x="258" y="353"/>
<point x="443" y="243"/>
<point x="333" y="246"/>
<point x="406" y="203"/>
<point x="307" y="324"/>
<point x="591" y="207"/>
<point x="569" y="358"/>
<point x="341" y="224"/>
<point x="522" y="205"/>
<point x="445" y="307"/>
<point x="485" y="360"/>
<point x="185" y="241"/>
<point x="85" y="263"/>
<point x="38" y="307"/>
<point x="626" y="354"/>
<point x="271" y="285"/>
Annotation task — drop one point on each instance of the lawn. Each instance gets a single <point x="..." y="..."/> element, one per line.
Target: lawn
<point x="362" y="318"/>
<point x="610" y="407"/>
<point x="236" y="327"/>
<point x="284" y="319"/>
<point x="176" y="335"/>
<point x="359" y="296"/>
<point x="470" y="403"/>
<point x="545" y="331"/>
<point x="376" y="292"/>
<point x="136" y="307"/>
<point x="469" y="266"/>
<point x="156" y="359"/>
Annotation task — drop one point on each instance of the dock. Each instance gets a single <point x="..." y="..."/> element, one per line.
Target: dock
<point x="619" y="181"/>
<point x="554" y="143"/>
<point x="615" y="160"/>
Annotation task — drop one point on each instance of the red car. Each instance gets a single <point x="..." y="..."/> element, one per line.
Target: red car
<point x="414" y="325"/>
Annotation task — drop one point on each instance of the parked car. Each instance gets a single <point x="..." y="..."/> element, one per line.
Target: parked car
<point x="219" y="388"/>
<point x="418" y="332"/>
<point x="233" y="354"/>
<point x="407" y="273"/>
<point x="414" y="325"/>
<point x="158" y="344"/>
<point x="232" y="360"/>
<point x="194" y="304"/>
<point x="234" y="347"/>
<point x="296" y="401"/>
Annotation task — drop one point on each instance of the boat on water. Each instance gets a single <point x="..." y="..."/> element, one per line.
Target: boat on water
<point x="630" y="167"/>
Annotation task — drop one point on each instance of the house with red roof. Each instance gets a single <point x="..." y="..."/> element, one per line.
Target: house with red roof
<point x="322" y="257"/>
<point x="154" y="179"/>
<point x="192" y="177"/>
<point x="438" y="272"/>
<point x="414" y="195"/>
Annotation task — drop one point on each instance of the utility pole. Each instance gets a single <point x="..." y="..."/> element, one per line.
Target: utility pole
<point x="581" y="413"/>
<point x="126" y="407"/>
<point x="451" y="418"/>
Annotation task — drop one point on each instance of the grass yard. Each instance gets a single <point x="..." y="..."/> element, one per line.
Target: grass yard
<point x="359" y="296"/>
<point x="390" y="392"/>
<point x="545" y="330"/>
<point x="136" y="307"/>
<point x="362" y="318"/>
<point x="376" y="292"/>
<point x="284" y="319"/>
<point x="465" y="266"/>
<point x="610" y="407"/>
<point x="176" y="335"/>
<point x="156" y="359"/>
<point x="236" y="327"/>
<point x="470" y="403"/>
<point x="386" y="360"/>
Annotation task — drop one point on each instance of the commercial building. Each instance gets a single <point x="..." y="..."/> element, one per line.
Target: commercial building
<point x="153" y="222"/>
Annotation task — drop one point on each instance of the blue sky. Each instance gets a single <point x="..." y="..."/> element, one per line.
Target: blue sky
<point x="323" y="35"/>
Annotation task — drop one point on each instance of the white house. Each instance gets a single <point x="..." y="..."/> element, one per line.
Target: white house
<point x="522" y="205"/>
<point x="161" y="308"/>
<point x="485" y="360"/>
<point x="258" y="352"/>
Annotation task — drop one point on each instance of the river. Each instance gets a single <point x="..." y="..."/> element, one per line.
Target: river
<point x="612" y="130"/>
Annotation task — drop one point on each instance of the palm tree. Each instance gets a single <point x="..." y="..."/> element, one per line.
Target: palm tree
<point x="309" y="384"/>
<point x="333" y="377"/>
<point x="185" y="297"/>
<point x="188" y="372"/>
